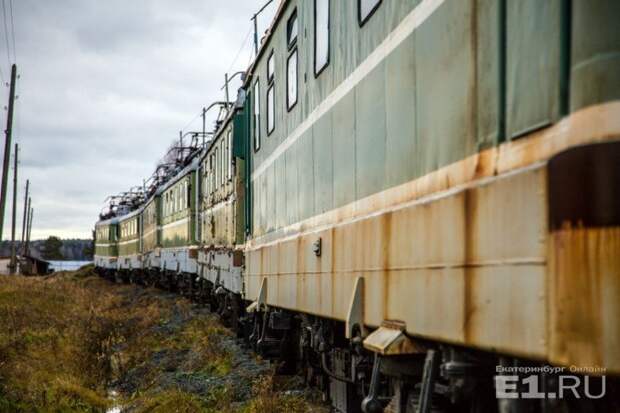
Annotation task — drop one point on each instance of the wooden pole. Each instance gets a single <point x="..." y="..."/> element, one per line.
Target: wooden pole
<point x="13" y="222"/>
<point x="25" y="213"/>
<point x="7" y="148"/>
<point x="25" y="246"/>
<point x="29" y="231"/>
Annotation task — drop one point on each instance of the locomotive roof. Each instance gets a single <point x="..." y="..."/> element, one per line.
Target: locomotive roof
<point x="109" y="221"/>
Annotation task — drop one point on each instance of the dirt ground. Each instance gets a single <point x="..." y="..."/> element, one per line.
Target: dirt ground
<point x="72" y="342"/>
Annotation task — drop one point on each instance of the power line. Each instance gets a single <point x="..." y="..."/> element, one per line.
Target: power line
<point x="6" y="34"/>
<point x="243" y="44"/>
<point x="13" y="31"/>
<point x="192" y="121"/>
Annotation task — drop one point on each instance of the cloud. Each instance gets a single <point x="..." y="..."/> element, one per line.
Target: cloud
<point x="104" y="87"/>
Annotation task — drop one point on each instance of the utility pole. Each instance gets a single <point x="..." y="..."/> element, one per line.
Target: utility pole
<point x="7" y="148"/>
<point x="29" y="231"/>
<point x="25" y="246"/>
<point x="204" y="125"/>
<point x="25" y="212"/>
<point x="13" y="256"/>
<point x="226" y="87"/>
<point x="255" y="33"/>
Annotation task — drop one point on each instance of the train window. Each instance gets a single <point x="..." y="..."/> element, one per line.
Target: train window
<point x="271" y="123"/>
<point x="212" y="176"/>
<point x="321" y="35"/>
<point x="365" y="9"/>
<point x="224" y="153"/>
<point x="187" y="195"/>
<point x="271" y="109"/>
<point x="230" y="155"/>
<point x="217" y="168"/>
<point x="256" y="116"/>
<point x="182" y="196"/>
<point x="291" y="80"/>
<point x="291" y="29"/>
<point x="270" y="68"/>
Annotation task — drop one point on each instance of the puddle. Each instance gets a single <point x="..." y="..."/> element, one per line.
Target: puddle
<point x="113" y="395"/>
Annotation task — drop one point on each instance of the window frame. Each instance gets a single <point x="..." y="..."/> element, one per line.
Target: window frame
<point x="290" y="44"/>
<point x="256" y="114"/>
<point x="270" y="88"/>
<point x="223" y="156"/>
<point x="230" y="153"/>
<point x="271" y="76"/>
<point x="272" y="119"/>
<point x="317" y="73"/>
<point x="361" y="21"/>
<point x="290" y="107"/>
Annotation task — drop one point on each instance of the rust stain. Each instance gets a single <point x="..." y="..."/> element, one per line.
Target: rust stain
<point x="386" y="237"/>
<point x="332" y="273"/>
<point x="597" y="123"/>
<point x="470" y="205"/>
<point x="584" y="284"/>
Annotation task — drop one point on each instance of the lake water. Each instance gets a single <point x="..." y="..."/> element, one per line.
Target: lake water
<point x="67" y="265"/>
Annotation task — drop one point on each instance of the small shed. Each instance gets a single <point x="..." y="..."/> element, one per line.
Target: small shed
<point x="30" y="265"/>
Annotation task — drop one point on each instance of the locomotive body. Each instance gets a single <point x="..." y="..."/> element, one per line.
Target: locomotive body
<point x="221" y="212"/>
<point x="417" y="191"/>
<point x="106" y="248"/>
<point x="129" y="242"/>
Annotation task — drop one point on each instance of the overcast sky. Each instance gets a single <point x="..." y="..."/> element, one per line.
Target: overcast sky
<point x="104" y="88"/>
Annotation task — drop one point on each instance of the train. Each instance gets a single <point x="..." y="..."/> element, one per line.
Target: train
<point x="414" y="204"/>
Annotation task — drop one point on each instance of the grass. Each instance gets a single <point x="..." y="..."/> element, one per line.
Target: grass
<point x="66" y="339"/>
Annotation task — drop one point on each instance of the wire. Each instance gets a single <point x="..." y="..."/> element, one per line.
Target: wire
<point x="243" y="44"/>
<point x="192" y="121"/>
<point x="6" y="34"/>
<point x="13" y="31"/>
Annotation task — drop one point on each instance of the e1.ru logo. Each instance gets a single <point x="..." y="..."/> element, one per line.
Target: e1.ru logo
<point x="506" y="387"/>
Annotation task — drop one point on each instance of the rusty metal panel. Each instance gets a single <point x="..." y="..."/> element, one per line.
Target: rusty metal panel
<point x="287" y="256"/>
<point x="532" y="64"/>
<point x="432" y="264"/>
<point x="400" y="113"/>
<point x="595" y="52"/>
<point x="584" y="286"/>
<point x="506" y="309"/>
<point x="370" y="132"/>
<point x="584" y="256"/>
<point x="430" y="301"/>
<point x="507" y="220"/>
<point x="343" y="123"/>
<point x="430" y="234"/>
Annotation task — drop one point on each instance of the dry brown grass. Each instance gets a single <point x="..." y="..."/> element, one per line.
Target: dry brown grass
<point x="65" y="338"/>
<point x="57" y="339"/>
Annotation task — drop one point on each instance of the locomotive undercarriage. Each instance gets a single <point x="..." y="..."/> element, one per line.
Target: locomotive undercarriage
<point x="437" y="378"/>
